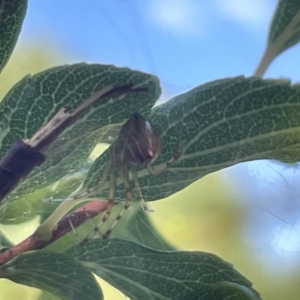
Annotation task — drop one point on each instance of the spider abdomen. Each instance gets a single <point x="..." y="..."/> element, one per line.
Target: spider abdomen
<point x="138" y="142"/>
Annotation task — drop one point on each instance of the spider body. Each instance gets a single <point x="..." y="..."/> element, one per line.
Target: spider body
<point x="138" y="145"/>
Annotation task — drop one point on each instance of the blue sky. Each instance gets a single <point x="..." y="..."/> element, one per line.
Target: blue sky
<point x="185" y="43"/>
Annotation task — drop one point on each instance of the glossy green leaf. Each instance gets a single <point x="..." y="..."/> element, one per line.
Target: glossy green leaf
<point x="35" y="99"/>
<point x="144" y="273"/>
<point x="284" y="32"/>
<point x="218" y="124"/>
<point x="12" y="14"/>
<point x="54" y="273"/>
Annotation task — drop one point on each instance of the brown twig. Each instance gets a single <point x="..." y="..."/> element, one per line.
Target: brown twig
<point x="76" y="218"/>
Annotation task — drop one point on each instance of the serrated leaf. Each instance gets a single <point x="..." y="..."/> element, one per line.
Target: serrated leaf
<point x="284" y="32"/>
<point x="35" y="99"/>
<point x="54" y="273"/>
<point x="218" y="124"/>
<point x="143" y="273"/>
<point x="12" y="14"/>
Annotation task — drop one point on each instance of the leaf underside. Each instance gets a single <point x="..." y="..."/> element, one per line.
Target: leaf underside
<point x="54" y="273"/>
<point x="35" y="99"/>
<point x="285" y="26"/>
<point x="144" y="273"/>
<point x="217" y="125"/>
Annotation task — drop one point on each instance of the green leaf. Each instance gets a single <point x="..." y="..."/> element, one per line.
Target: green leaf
<point x="35" y="99"/>
<point x="42" y="202"/>
<point x="27" y="208"/>
<point x="139" y="229"/>
<point x="218" y="124"/>
<point x="236" y="291"/>
<point x="54" y="273"/>
<point x="284" y="32"/>
<point x="285" y="24"/>
<point x="5" y="243"/>
<point x="12" y="14"/>
<point x="47" y="296"/>
<point x="144" y="273"/>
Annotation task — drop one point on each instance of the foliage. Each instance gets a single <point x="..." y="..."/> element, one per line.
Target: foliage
<point x="11" y="17"/>
<point x="221" y="123"/>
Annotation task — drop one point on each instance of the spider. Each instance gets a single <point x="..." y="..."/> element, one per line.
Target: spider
<point x="138" y="145"/>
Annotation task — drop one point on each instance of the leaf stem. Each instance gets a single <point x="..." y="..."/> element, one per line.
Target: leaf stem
<point x="266" y="60"/>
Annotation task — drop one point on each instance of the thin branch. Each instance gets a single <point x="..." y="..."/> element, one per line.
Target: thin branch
<point x="76" y="218"/>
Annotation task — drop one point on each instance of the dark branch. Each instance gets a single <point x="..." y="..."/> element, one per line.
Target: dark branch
<point x="17" y="163"/>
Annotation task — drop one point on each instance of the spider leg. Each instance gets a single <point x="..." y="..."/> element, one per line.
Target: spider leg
<point x="90" y="219"/>
<point x="74" y="230"/>
<point x="138" y="189"/>
<point x="174" y="158"/>
<point x="111" y="198"/>
<point x="129" y="197"/>
<point x="112" y="186"/>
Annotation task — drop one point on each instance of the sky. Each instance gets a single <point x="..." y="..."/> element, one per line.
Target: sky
<point x="185" y="43"/>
